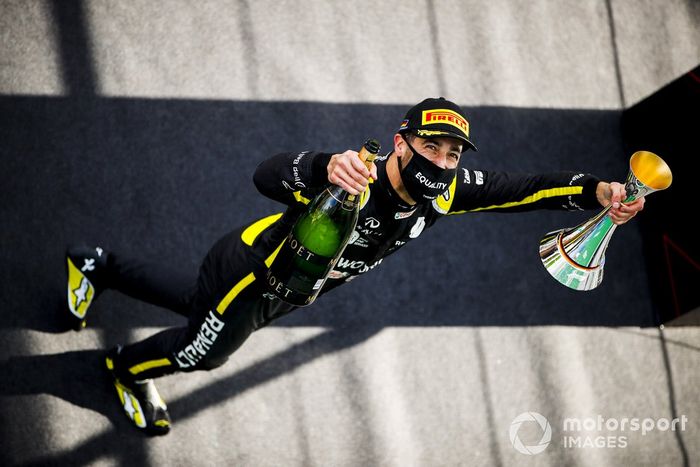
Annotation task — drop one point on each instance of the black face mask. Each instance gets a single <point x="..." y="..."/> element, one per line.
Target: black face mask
<point x="423" y="179"/>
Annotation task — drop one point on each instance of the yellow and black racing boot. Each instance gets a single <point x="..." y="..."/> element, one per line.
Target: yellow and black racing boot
<point x="140" y="400"/>
<point x="86" y="270"/>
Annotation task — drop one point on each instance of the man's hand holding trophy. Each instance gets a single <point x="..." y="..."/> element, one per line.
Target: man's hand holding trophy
<point x="576" y="256"/>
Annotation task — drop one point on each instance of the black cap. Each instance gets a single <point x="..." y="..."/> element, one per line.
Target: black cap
<point x="437" y="117"/>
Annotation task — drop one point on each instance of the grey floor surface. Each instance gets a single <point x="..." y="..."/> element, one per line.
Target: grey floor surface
<point x="118" y="121"/>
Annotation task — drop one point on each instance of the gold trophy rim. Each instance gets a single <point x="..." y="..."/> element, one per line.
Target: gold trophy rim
<point x="651" y="170"/>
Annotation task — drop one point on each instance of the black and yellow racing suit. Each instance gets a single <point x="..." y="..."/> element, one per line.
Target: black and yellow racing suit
<point x="229" y="300"/>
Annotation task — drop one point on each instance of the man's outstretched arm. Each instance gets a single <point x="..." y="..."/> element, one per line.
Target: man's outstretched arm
<point x="296" y="177"/>
<point x="292" y="177"/>
<point x="476" y="191"/>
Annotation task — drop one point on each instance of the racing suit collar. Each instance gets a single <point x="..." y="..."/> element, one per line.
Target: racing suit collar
<point x="391" y="198"/>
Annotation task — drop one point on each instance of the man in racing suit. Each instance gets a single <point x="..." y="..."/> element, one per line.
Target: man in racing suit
<point x="403" y="194"/>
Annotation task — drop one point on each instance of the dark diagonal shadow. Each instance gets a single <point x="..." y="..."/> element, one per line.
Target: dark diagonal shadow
<point x="296" y="356"/>
<point x="435" y="43"/>
<point x="487" y="396"/>
<point x="616" y="53"/>
<point x="98" y="446"/>
<point x="72" y="375"/>
<point x="79" y="75"/>
<point x="672" y="396"/>
<point x="75" y="377"/>
<point x="660" y="336"/>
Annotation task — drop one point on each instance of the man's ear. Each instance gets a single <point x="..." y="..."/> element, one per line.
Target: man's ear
<point x="399" y="145"/>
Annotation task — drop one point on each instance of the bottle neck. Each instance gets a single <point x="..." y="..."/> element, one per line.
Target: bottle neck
<point x="346" y="200"/>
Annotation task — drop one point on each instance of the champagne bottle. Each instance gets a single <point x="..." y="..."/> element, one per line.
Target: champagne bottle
<point x="317" y="241"/>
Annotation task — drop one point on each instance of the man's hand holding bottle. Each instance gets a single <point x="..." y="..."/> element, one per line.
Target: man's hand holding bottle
<point x="348" y="171"/>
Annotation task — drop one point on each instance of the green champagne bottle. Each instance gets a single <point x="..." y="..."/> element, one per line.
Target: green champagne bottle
<point x="317" y="241"/>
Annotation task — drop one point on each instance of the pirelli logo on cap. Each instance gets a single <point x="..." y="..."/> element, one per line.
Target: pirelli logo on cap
<point x="432" y="117"/>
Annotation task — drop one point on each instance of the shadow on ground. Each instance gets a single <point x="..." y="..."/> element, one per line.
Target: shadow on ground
<point x="76" y="377"/>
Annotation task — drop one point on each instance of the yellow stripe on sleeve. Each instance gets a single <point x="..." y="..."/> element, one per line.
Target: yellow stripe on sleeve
<point x="533" y="198"/>
<point x="136" y="369"/>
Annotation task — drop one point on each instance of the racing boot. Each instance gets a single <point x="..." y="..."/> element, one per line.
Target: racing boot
<point x="86" y="270"/>
<point x="140" y="400"/>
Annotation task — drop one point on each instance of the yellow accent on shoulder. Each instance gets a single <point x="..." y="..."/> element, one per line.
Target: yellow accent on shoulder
<point x="162" y="423"/>
<point x="109" y="363"/>
<point x="441" y="204"/>
<point x="533" y="198"/>
<point x="301" y="199"/>
<point x="136" y="369"/>
<point x="250" y="234"/>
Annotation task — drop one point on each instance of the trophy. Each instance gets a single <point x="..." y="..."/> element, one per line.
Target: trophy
<point x="576" y="256"/>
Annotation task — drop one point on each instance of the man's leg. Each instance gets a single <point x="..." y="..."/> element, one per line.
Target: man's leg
<point x="92" y="270"/>
<point x="224" y="307"/>
<point x="159" y="285"/>
<point x="213" y="334"/>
